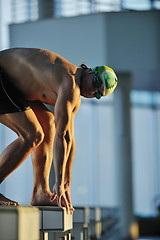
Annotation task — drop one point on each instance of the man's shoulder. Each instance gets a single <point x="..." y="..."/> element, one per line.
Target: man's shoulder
<point x="69" y="91"/>
<point x="70" y="95"/>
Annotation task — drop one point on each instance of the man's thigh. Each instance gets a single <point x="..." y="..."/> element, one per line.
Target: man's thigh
<point x="22" y="123"/>
<point x="44" y="115"/>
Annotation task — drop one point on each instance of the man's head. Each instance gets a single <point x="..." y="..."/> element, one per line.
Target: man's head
<point x="97" y="82"/>
<point x="108" y="77"/>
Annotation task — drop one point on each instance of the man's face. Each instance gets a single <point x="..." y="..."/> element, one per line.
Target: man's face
<point x="87" y="88"/>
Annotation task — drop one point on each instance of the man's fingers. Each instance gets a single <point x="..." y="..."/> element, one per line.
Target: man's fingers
<point x="62" y="201"/>
<point x="69" y="203"/>
<point x="59" y="201"/>
<point x="68" y="197"/>
<point x="71" y="210"/>
<point x="66" y="204"/>
<point x="53" y="197"/>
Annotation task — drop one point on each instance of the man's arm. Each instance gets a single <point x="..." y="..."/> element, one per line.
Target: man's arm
<point x="62" y="145"/>
<point x="68" y="171"/>
<point x="71" y="154"/>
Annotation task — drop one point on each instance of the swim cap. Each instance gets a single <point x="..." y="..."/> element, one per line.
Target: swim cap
<point x="108" y="77"/>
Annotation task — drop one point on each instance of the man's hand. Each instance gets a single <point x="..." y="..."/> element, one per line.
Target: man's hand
<point x="59" y="193"/>
<point x="63" y="195"/>
<point x="67" y="188"/>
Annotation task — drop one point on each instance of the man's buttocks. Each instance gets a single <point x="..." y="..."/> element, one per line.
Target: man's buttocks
<point x="11" y="99"/>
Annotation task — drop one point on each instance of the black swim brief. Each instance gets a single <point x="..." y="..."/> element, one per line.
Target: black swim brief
<point x="11" y="99"/>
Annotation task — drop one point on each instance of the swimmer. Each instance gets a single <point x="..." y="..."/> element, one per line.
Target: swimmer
<point x="28" y="79"/>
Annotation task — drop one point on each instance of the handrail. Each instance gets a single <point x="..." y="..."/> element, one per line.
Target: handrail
<point x="32" y="10"/>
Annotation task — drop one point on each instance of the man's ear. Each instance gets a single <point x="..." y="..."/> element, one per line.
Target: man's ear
<point x="84" y="66"/>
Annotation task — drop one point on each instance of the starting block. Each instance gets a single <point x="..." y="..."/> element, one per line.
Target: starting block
<point x="55" y="223"/>
<point x="80" y="223"/>
<point x="111" y="227"/>
<point x="34" y="223"/>
<point x="19" y="223"/>
<point x="95" y="225"/>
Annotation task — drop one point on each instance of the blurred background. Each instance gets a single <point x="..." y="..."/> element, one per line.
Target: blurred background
<point x="117" y="160"/>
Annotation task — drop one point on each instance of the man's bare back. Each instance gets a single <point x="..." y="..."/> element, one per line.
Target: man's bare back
<point x="37" y="73"/>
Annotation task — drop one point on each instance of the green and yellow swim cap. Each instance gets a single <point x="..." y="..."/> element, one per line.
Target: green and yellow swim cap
<point x="108" y="77"/>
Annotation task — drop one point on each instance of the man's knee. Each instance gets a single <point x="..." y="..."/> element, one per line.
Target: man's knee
<point x="49" y="126"/>
<point x="34" y="138"/>
<point x="51" y="123"/>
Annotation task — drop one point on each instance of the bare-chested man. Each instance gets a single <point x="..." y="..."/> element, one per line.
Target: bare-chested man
<point x="29" y="78"/>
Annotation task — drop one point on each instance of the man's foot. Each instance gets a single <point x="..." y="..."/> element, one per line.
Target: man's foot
<point x="41" y="198"/>
<point x="5" y="201"/>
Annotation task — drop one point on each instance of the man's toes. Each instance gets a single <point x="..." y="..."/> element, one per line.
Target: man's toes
<point x="14" y="204"/>
<point x="3" y="203"/>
